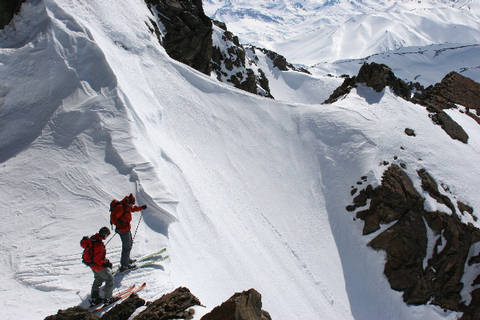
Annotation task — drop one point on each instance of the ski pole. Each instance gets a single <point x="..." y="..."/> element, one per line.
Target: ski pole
<point x="138" y="224"/>
<point x="110" y="239"/>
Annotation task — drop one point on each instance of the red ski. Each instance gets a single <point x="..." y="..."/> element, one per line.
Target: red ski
<point x="121" y="295"/>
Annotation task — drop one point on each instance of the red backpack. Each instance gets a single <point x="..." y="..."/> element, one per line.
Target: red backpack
<point x="114" y="217"/>
<point x="87" y="243"/>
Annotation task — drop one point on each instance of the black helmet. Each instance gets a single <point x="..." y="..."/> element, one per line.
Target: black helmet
<point x="104" y="232"/>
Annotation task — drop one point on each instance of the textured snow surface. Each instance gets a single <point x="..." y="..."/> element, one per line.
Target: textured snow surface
<point x="244" y="191"/>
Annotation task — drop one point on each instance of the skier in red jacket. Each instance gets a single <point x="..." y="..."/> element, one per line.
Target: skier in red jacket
<point x="101" y="267"/>
<point x="121" y="216"/>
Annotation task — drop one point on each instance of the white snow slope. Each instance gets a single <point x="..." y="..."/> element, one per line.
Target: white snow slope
<point x="244" y="191"/>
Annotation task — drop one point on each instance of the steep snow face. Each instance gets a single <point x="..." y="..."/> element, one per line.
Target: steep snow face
<point x="243" y="191"/>
<point x="309" y="32"/>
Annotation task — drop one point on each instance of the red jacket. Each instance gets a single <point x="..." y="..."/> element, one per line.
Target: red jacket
<point x="99" y="253"/>
<point x="123" y="213"/>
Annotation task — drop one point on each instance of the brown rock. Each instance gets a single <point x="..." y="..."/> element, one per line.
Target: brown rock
<point x="439" y="279"/>
<point x="189" y="32"/>
<point x="74" y="313"/>
<point x="124" y="310"/>
<point x="246" y="305"/>
<point x="170" y="306"/>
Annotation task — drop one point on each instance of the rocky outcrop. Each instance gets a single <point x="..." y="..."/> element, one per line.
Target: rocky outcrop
<point x="7" y="10"/>
<point x="246" y="305"/>
<point x="73" y="313"/>
<point x="425" y="272"/>
<point x="206" y="45"/>
<point x="188" y="36"/>
<point x="124" y="310"/>
<point x="177" y="304"/>
<point x="174" y="305"/>
<point x="379" y="76"/>
<point x="232" y="63"/>
<point x="453" y="89"/>
<point x="376" y="76"/>
<point x="279" y="61"/>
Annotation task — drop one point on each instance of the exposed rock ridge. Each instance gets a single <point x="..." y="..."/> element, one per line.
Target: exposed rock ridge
<point x="188" y="36"/>
<point x="7" y="10"/>
<point x="246" y="305"/>
<point x="433" y="277"/>
<point x="453" y="89"/>
<point x="232" y="63"/>
<point x="280" y="61"/>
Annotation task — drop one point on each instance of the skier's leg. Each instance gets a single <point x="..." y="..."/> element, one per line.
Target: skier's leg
<point x="97" y="282"/>
<point x="106" y="275"/>
<point x="126" y="247"/>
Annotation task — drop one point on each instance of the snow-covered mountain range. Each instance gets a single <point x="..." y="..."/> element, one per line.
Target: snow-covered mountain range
<point x="309" y="31"/>
<point x="295" y="198"/>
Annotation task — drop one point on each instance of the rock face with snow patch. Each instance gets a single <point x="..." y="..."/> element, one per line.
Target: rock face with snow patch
<point x="453" y="89"/>
<point x="427" y="252"/>
<point x="246" y="305"/>
<point x="234" y="64"/>
<point x="7" y="10"/>
<point x="188" y="37"/>
<point x="173" y="305"/>
<point x="376" y="76"/>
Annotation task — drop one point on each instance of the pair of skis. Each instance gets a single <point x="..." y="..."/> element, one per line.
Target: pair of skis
<point x="119" y="296"/>
<point x="146" y="260"/>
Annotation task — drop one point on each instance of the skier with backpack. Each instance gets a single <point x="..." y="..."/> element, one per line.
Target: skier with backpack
<point x="94" y="256"/>
<point x="121" y="216"/>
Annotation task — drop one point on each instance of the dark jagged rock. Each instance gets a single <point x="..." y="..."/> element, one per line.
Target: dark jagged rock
<point x="466" y="208"/>
<point x="74" y="313"/>
<point x="280" y="61"/>
<point x="124" y="310"/>
<point x="376" y="76"/>
<point x="231" y="56"/>
<point x="8" y="9"/>
<point x="453" y="129"/>
<point x="409" y="132"/>
<point x="379" y="76"/>
<point x="170" y="306"/>
<point x="424" y="277"/>
<point x="429" y="185"/>
<point x="189" y="31"/>
<point x="246" y="305"/>
<point x="453" y="89"/>
<point x="472" y="312"/>
<point x="345" y="88"/>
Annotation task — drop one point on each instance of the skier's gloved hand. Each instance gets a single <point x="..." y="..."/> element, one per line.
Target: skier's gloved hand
<point x="107" y="264"/>
<point x="144" y="207"/>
